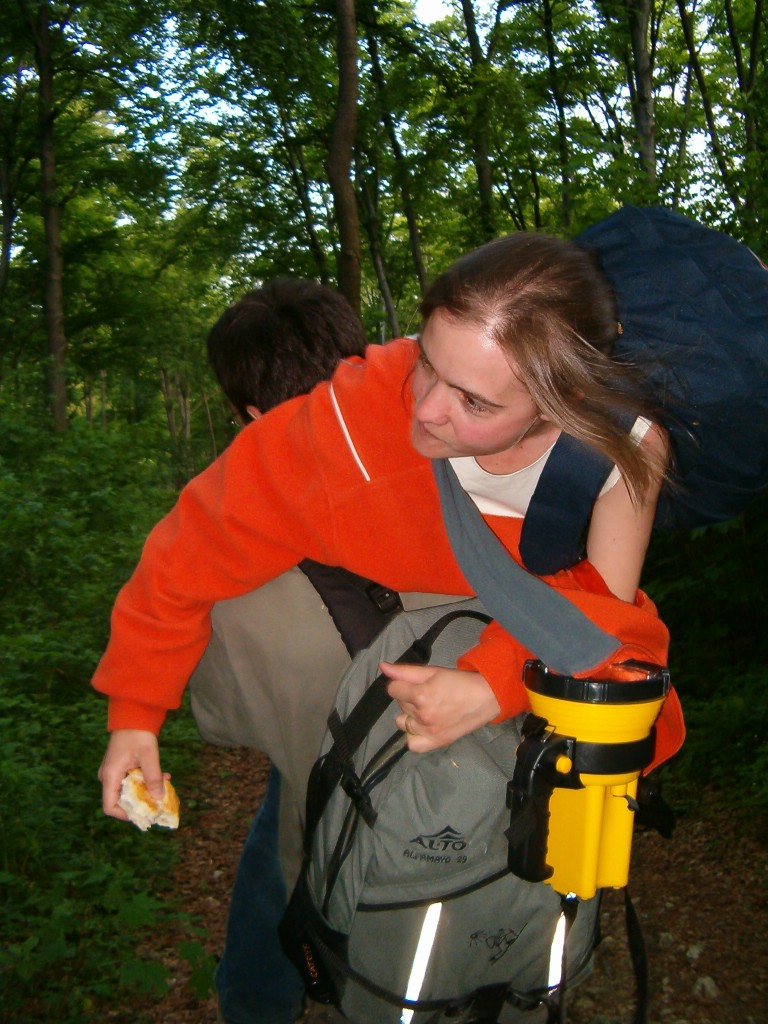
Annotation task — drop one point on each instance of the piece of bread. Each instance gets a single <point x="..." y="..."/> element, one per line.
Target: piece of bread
<point x="141" y="807"/>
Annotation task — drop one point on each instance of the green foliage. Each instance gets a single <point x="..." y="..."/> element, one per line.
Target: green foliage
<point x="726" y="750"/>
<point x="77" y="889"/>
<point x="202" y="967"/>
<point x="74" y="512"/>
<point x="709" y="586"/>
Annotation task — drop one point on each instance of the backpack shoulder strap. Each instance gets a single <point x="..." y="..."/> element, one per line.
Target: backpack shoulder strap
<point x="544" y="621"/>
<point x="555" y="525"/>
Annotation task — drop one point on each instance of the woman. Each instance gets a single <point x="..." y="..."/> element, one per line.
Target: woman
<point x="513" y="351"/>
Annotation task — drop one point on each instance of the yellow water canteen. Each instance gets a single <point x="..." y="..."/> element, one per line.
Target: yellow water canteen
<point x="573" y="793"/>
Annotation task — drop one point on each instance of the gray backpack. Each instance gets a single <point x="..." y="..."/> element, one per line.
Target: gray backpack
<point x="406" y="910"/>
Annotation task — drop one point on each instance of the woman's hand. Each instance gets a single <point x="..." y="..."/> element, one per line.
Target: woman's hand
<point x="439" y="704"/>
<point x="130" y="748"/>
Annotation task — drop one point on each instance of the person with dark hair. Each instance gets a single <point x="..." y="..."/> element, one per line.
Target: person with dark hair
<point x="512" y="354"/>
<point x="278" y="341"/>
<point x="275" y="343"/>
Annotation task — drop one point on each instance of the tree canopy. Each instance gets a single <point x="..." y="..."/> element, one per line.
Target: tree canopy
<point x="164" y="155"/>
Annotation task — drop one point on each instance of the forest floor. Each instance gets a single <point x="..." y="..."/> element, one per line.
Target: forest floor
<point x="702" y="899"/>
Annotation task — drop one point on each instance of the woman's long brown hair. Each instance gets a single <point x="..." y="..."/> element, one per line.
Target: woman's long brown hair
<point x="546" y="302"/>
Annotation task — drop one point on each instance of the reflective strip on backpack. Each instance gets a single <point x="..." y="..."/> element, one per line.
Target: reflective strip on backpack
<point x="421" y="960"/>
<point x="556" y="951"/>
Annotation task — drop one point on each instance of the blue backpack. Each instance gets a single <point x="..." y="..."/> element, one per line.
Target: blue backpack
<point x="693" y="305"/>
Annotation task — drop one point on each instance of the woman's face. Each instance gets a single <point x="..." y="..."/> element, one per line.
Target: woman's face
<point x="468" y="400"/>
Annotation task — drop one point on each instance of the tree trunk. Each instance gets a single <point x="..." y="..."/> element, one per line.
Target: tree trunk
<point x="479" y="126"/>
<point x="9" y="170"/>
<point x="300" y="182"/>
<point x="341" y="156"/>
<point x="211" y="431"/>
<point x="8" y="214"/>
<point x="556" y="90"/>
<point x="747" y="77"/>
<point x="714" y="136"/>
<point x="682" y="142"/>
<point x="53" y="290"/>
<point x="372" y="229"/>
<point x="103" y="393"/>
<point x="170" y="408"/>
<point x="638" y="15"/>
<point x="14" y="161"/>
<point x="402" y="175"/>
<point x="536" y="190"/>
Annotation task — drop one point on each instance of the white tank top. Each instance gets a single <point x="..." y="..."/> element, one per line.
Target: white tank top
<point x="509" y="494"/>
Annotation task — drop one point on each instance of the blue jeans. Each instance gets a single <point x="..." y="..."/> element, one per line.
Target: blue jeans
<point x="255" y="981"/>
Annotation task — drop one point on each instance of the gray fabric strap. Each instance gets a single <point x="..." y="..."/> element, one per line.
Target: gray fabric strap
<point x="544" y="621"/>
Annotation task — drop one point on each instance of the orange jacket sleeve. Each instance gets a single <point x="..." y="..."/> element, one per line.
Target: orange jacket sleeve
<point x="640" y="635"/>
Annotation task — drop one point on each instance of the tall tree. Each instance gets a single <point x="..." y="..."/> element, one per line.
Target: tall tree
<point x="478" y="123"/>
<point x="45" y="37"/>
<point x="641" y="78"/>
<point x="17" y="152"/>
<point x="341" y="154"/>
<point x="402" y="174"/>
<point x="689" y="32"/>
<point x="83" y="62"/>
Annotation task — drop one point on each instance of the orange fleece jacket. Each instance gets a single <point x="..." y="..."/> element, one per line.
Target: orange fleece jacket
<point x="330" y="476"/>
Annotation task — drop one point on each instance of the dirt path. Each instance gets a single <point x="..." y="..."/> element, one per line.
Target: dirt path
<point x="702" y="899"/>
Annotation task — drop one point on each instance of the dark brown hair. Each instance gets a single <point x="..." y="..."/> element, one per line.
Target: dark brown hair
<point x="546" y="302"/>
<point x="281" y="340"/>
